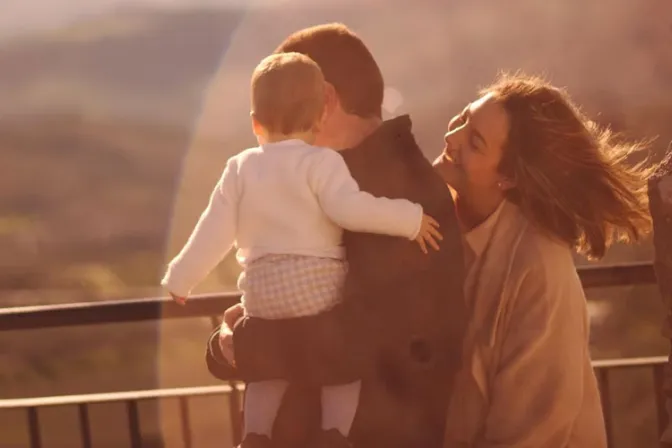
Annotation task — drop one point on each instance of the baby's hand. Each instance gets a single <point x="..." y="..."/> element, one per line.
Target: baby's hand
<point x="178" y="299"/>
<point x="428" y="233"/>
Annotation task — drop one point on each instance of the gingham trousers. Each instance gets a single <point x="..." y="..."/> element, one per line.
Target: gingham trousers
<point x="281" y="286"/>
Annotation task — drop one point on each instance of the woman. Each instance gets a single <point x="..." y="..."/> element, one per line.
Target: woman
<point x="533" y="180"/>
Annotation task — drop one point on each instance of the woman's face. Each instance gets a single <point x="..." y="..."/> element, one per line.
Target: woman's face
<point x="474" y="144"/>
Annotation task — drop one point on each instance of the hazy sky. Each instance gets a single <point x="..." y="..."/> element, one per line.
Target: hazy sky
<point x="26" y="16"/>
<point x="21" y="16"/>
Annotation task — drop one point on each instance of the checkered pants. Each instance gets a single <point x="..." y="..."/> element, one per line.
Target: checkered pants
<point x="282" y="286"/>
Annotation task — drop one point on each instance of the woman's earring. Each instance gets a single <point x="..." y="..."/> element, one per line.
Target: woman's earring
<point x="500" y="185"/>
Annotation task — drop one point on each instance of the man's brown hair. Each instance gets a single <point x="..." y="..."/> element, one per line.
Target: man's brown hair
<point x="346" y="64"/>
<point x="572" y="177"/>
<point x="287" y="93"/>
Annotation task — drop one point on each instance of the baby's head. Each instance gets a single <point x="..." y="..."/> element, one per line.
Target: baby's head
<point x="287" y="98"/>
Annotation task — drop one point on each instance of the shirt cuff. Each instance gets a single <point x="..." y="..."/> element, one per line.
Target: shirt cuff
<point x="418" y="225"/>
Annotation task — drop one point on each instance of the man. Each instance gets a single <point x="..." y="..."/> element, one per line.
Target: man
<point x="401" y="326"/>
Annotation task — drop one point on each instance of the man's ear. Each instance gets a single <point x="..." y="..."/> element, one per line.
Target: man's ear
<point x="331" y="101"/>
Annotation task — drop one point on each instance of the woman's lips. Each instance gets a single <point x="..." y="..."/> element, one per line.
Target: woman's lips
<point x="449" y="160"/>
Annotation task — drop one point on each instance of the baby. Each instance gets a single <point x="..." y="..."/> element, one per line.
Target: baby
<point x="285" y="204"/>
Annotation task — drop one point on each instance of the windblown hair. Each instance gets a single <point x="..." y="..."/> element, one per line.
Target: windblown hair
<point x="572" y="178"/>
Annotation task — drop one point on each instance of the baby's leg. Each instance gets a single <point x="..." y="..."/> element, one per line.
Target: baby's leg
<point x="262" y="402"/>
<point x="339" y="404"/>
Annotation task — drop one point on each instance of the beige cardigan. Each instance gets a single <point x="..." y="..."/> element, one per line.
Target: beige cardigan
<point x="527" y="380"/>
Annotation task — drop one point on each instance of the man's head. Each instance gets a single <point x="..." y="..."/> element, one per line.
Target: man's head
<point x="287" y="95"/>
<point x="354" y="81"/>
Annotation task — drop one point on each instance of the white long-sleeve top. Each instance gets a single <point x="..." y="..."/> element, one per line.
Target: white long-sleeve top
<point x="285" y="197"/>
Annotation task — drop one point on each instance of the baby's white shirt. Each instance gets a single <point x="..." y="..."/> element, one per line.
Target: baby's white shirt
<point x="285" y="197"/>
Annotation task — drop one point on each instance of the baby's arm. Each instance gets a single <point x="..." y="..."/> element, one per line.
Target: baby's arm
<point x="210" y="240"/>
<point x="358" y="211"/>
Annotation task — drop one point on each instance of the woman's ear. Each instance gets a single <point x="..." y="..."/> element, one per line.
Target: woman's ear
<point x="505" y="184"/>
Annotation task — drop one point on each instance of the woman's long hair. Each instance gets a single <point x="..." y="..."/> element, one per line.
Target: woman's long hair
<point x="572" y="178"/>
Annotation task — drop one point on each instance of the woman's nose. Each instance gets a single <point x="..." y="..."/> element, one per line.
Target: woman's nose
<point x="451" y="144"/>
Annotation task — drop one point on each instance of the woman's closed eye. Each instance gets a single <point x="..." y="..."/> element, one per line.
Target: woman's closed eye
<point x="460" y="121"/>
<point x="474" y="142"/>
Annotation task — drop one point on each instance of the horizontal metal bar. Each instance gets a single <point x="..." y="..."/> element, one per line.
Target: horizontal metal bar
<point x="617" y="275"/>
<point x="65" y="400"/>
<point x="225" y="389"/>
<point x="628" y="363"/>
<point x="206" y="305"/>
<point x="113" y="311"/>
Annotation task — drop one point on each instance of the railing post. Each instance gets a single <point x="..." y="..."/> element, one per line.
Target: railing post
<point x="605" y="397"/>
<point x="660" y="202"/>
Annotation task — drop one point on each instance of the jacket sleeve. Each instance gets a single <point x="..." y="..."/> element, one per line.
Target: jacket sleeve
<point x="538" y="389"/>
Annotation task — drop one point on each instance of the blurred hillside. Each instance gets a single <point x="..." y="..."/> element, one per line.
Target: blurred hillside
<point x="126" y="119"/>
<point x="113" y="131"/>
<point x="144" y="65"/>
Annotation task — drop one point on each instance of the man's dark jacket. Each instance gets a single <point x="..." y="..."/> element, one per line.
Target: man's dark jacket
<point x="400" y="328"/>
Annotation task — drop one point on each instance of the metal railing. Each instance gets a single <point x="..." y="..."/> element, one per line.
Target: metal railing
<point x="131" y="400"/>
<point x="212" y="306"/>
<point x="604" y="368"/>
